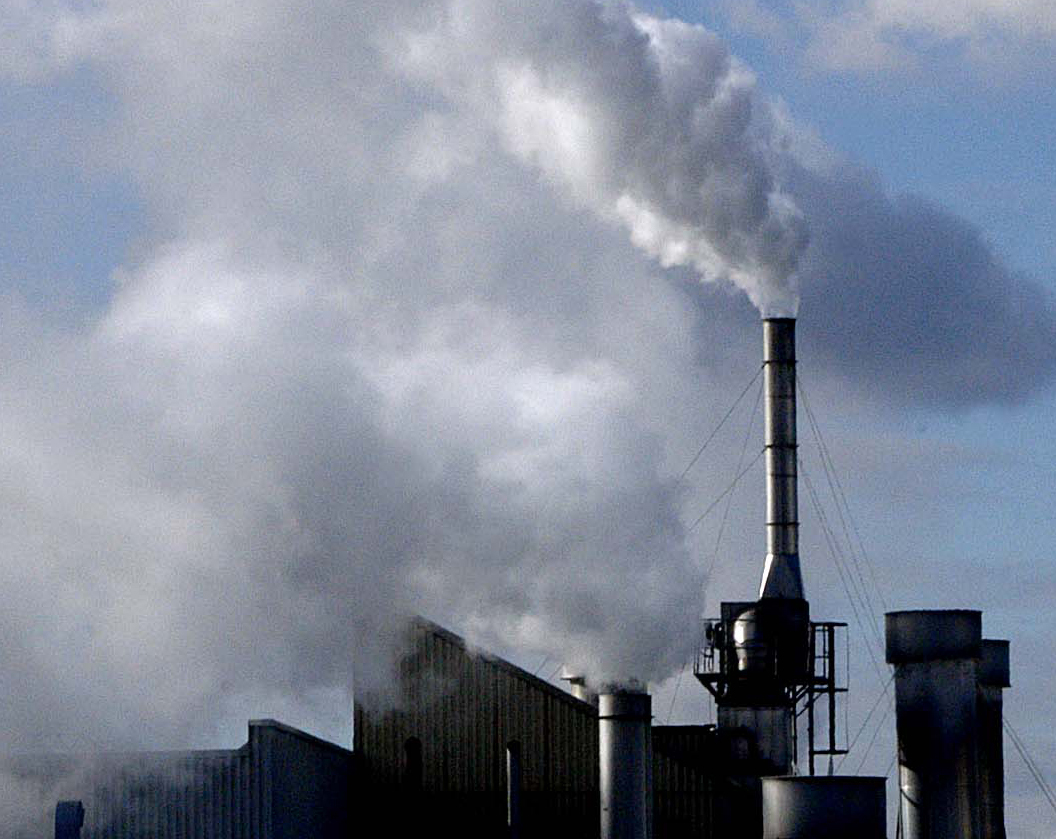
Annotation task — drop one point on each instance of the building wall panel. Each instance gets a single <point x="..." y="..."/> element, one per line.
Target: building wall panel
<point x="465" y="707"/>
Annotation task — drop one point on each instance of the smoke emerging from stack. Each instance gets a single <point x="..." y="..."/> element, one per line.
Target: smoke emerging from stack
<point x="646" y="121"/>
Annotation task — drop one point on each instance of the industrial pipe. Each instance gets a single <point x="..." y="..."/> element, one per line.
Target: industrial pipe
<point x="578" y="687"/>
<point x="625" y="762"/>
<point x="936" y="658"/>
<point x="781" y="574"/>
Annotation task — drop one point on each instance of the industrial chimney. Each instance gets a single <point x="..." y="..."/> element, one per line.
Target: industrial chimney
<point x="626" y="764"/>
<point x="763" y="646"/>
<point x="781" y="575"/>
<point x="936" y="656"/>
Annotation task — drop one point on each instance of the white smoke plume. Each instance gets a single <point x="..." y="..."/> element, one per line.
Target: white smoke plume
<point x="647" y="121"/>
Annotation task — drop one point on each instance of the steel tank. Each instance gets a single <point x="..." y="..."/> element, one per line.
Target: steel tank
<point x="824" y="807"/>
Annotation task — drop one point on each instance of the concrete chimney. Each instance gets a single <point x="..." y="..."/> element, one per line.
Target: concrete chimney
<point x="781" y="575"/>
<point x="626" y="762"/>
<point x="936" y="656"/>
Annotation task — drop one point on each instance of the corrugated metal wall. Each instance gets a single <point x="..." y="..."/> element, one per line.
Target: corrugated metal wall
<point x="177" y="795"/>
<point x="464" y="707"/>
<point x="283" y="784"/>
<point x="683" y="781"/>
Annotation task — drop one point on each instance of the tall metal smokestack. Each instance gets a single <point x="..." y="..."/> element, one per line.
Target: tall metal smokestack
<point x="781" y="575"/>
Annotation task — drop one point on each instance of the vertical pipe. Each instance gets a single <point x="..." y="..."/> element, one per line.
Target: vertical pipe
<point x="993" y="679"/>
<point x="936" y="658"/>
<point x="781" y="575"/>
<point x="578" y="687"/>
<point x="830" y="633"/>
<point x="513" y="789"/>
<point x="810" y="727"/>
<point x="625" y="762"/>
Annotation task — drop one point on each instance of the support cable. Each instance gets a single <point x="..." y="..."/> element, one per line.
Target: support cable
<point x="722" y="422"/>
<point x="865" y="722"/>
<point x="815" y="501"/>
<point x="1031" y="765"/>
<point x="869" y="748"/>
<point x="729" y="498"/>
<point x="729" y="504"/>
<point x="724" y="493"/>
<point x="674" y="695"/>
<point x="858" y="602"/>
<point x="842" y="505"/>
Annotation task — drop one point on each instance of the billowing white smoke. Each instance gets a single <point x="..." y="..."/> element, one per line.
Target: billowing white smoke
<point x="644" y="120"/>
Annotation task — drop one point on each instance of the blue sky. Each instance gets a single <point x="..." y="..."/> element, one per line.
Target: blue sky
<point x="314" y="317"/>
<point x="64" y="221"/>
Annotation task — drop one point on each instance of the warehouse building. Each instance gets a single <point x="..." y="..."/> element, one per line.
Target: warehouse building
<point x="282" y="784"/>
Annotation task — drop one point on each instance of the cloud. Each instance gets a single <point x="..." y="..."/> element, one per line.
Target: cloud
<point x="897" y="35"/>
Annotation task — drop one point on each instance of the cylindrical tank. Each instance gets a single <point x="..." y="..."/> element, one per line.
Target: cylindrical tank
<point x="824" y="807"/>
<point x="781" y="575"/>
<point x="764" y="746"/>
<point x="625" y="764"/>
<point x="993" y="679"/>
<point x="936" y="658"/>
<point x="771" y="641"/>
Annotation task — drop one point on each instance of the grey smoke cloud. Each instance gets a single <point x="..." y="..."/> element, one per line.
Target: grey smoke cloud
<point x="910" y="297"/>
<point x="388" y="347"/>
